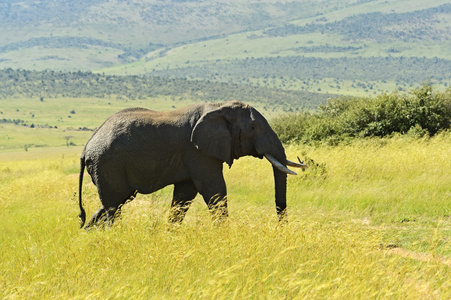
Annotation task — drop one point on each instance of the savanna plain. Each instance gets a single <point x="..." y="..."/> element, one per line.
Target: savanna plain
<point x="368" y="219"/>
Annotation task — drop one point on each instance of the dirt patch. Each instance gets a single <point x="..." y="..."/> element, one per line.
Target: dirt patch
<point x="421" y="256"/>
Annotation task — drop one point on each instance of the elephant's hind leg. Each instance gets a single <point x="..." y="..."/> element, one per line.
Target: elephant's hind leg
<point x="115" y="203"/>
<point x="103" y="216"/>
<point x="112" y="200"/>
<point x="97" y="219"/>
<point x="184" y="193"/>
<point x="114" y="211"/>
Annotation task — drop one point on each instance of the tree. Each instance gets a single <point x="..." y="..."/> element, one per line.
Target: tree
<point x="67" y="138"/>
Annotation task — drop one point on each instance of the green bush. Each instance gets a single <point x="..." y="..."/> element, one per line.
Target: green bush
<point x="419" y="112"/>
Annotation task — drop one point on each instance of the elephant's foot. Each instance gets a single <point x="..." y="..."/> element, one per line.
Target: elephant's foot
<point x="98" y="219"/>
<point x="178" y="213"/>
<point x="219" y="211"/>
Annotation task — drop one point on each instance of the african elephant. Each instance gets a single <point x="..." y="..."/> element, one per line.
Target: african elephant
<point x="141" y="151"/>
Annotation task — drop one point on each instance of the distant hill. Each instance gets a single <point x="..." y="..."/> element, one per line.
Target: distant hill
<point x="322" y="46"/>
<point x="412" y="26"/>
<point x="138" y="23"/>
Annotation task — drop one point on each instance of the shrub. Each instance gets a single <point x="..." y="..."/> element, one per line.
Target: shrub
<point x="419" y="112"/>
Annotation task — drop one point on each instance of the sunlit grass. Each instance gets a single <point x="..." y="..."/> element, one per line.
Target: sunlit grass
<point x="375" y="224"/>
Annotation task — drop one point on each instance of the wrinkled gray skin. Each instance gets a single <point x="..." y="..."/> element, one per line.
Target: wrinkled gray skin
<point x="141" y="151"/>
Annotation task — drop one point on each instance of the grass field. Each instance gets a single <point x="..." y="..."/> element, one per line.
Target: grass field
<point x="371" y="220"/>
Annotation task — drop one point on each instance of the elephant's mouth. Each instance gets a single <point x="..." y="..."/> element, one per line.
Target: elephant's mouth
<point x="255" y="153"/>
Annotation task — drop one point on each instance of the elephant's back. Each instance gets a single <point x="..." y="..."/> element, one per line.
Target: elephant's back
<point x="134" y="130"/>
<point x="106" y="136"/>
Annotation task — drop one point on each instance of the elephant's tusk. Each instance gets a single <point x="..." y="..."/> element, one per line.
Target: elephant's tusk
<point x="296" y="165"/>
<point x="278" y="165"/>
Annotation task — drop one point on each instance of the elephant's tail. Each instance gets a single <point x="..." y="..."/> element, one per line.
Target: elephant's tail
<point x="82" y="214"/>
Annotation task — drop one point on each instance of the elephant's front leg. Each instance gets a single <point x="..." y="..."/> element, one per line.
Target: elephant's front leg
<point x="184" y="193"/>
<point x="214" y="192"/>
<point x="206" y="174"/>
<point x="217" y="205"/>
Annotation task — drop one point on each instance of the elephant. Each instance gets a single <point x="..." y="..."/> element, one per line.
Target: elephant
<point x="138" y="150"/>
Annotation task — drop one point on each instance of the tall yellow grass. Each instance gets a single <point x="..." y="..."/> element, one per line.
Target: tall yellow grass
<point x="375" y="225"/>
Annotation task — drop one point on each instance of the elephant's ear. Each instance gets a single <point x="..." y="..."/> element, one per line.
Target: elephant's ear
<point x="212" y="136"/>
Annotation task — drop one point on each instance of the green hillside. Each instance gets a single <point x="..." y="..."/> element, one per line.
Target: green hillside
<point x="54" y="84"/>
<point x="334" y="44"/>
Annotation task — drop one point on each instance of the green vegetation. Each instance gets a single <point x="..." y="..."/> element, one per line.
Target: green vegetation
<point x="420" y="112"/>
<point x="375" y="225"/>
<point x="86" y="84"/>
<point x="369" y="75"/>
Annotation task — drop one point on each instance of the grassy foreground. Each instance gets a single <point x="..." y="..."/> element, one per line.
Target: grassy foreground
<point x="371" y="220"/>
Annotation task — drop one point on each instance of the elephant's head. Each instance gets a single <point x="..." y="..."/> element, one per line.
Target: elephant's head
<point x="233" y="130"/>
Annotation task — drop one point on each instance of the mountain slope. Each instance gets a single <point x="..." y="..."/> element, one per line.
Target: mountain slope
<point x="141" y="22"/>
<point x="370" y="52"/>
<point x="241" y="42"/>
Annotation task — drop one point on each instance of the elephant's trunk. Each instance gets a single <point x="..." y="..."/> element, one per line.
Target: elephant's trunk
<point x="280" y="182"/>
